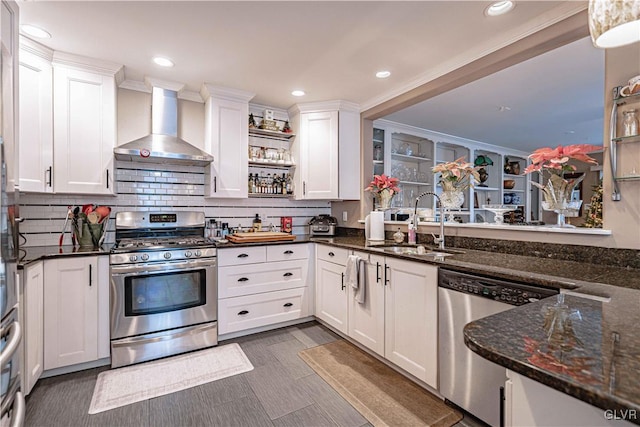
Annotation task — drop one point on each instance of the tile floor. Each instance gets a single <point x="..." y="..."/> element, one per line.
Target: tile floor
<point x="281" y="390"/>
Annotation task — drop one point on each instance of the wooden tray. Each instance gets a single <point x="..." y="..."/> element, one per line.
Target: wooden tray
<point x="260" y="236"/>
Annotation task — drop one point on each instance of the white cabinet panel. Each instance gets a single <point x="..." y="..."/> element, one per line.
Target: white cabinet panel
<point x="319" y="156"/>
<point x="84" y="131"/>
<point x="70" y="311"/>
<point x="411" y="318"/>
<point x="331" y="296"/>
<point x="34" y="324"/>
<point x="243" y="255"/>
<point x="235" y="281"/>
<point x="366" y="320"/>
<point x="288" y="252"/>
<point x="36" y="123"/>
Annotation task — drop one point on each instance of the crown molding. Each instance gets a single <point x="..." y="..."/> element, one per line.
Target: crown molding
<point x="35" y="48"/>
<point x="136" y="85"/>
<point x="190" y="95"/>
<point x="152" y="82"/>
<point x="208" y="91"/>
<point x="337" y="105"/>
<point x="85" y="63"/>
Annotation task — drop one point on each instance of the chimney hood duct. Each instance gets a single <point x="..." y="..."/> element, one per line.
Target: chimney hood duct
<point x="163" y="145"/>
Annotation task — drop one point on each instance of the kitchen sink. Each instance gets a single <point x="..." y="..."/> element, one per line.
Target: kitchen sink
<point x="413" y="250"/>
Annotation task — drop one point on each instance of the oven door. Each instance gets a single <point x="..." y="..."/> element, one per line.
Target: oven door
<point x="158" y="297"/>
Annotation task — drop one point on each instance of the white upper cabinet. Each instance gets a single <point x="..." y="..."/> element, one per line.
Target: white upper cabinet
<point x="84" y="133"/>
<point x="36" y="117"/>
<point x="326" y="150"/>
<point x="227" y="139"/>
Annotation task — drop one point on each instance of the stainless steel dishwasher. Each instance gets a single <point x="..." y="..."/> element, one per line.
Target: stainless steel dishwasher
<point x="466" y="379"/>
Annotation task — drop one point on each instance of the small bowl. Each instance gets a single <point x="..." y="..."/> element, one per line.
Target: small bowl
<point x="509" y="184"/>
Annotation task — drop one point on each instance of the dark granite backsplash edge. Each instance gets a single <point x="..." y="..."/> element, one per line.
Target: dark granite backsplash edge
<point x="627" y="258"/>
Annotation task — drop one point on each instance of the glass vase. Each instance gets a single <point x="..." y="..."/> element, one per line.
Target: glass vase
<point x="384" y="198"/>
<point x="557" y="193"/>
<point x="450" y="200"/>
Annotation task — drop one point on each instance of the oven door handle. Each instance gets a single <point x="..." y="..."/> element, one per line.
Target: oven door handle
<point x="161" y="336"/>
<point x="122" y="270"/>
<point x="10" y="348"/>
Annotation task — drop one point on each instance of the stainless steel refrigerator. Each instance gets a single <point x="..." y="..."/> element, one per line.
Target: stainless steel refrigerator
<point x="12" y="406"/>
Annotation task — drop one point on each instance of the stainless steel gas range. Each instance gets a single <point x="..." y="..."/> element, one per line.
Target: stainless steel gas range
<point x="163" y="292"/>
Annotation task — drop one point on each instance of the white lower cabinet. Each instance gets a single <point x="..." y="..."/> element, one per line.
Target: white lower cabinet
<point x="527" y="403"/>
<point x="33" y="324"/>
<point x="366" y="320"/>
<point x="411" y="318"/>
<point x="331" y="294"/>
<point x="76" y="305"/>
<point x="255" y="292"/>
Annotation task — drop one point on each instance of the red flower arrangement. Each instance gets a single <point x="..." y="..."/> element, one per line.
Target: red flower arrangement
<point x="383" y="182"/>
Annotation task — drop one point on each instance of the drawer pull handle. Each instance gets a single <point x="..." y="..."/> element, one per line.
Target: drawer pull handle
<point x="288" y="252"/>
<point x="243" y="256"/>
<point x="289" y="304"/>
<point x="243" y="279"/>
<point x="343" y="286"/>
<point x="331" y="254"/>
<point x="287" y="274"/>
<point x="243" y="312"/>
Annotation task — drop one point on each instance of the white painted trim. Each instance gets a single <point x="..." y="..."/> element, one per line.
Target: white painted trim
<point x="208" y="90"/>
<point x="136" y="85"/>
<point x="36" y="48"/>
<point x="553" y="16"/>
<point x="390" y="126"/>
<point x="315" y="107"/>
<point x="264" y="328"/>
<point x="84" y="63"/>
<point x="190" y="95"/>
<point x="74" y="368"/>
<point x="164" y="84"/>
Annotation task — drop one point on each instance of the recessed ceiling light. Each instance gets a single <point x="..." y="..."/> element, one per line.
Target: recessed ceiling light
<point x="383" y="74"/>
<point x="570" y="132"/>
<point x="298" y="93"/>
<point x="163" y="62"/>
<point x="33" y="31"/>
<point x="499" y="8"/>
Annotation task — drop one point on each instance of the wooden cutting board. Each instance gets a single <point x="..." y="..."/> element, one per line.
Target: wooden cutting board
<point x="260" y="236"/>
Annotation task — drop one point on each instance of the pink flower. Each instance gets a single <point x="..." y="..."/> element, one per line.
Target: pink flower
<point x="382" y="182"/>
<point x="557" y="158"/>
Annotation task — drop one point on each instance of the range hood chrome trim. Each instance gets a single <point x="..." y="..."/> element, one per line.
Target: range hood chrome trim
<point x="163" y="145"/>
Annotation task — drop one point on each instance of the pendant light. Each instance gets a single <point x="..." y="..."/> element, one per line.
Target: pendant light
<point x="614" y="23"/>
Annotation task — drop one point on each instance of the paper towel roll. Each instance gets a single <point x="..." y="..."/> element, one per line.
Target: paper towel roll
<point x="375" y="226"/>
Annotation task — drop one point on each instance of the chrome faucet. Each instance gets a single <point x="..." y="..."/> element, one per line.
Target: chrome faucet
<point x="414" y="224"/>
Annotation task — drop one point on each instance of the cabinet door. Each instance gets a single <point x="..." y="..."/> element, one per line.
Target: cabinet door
<point x="84" y="131"/>
<point x="331" y="297"/>
<point x="411" y="314"/>
<point x="36" y="123"/>
<point x="34" y="324"/>
<point x="318" y="156"/>
<point x="227" y="139"/>
<point x="70" y="311"/>
<point x="366" y="320"/>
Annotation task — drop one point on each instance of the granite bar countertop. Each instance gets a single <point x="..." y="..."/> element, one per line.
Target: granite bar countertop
<point x="586" y="348"/>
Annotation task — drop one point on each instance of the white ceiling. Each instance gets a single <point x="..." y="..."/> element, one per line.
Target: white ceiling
<point x="555" y="98"/>
<point x="329" y="49"/>
<point x="332" y="49"/>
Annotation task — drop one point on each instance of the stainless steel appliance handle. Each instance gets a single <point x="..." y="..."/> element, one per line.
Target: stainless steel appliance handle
<point x="168" y="267"/>
<point x="7" y="352"/>
<point x="125" y="342"/>
<point x="19" y="410"/>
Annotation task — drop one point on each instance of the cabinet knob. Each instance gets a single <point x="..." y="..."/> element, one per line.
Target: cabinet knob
<point x="289" y="304"/>
<point x="243" y="312"/>
<point x="331" y="254"/>
<point x="243" y="255"/>
<point x="288" y="252"/>
<point x="243" y="279"/>
<point x="287" y="274"/>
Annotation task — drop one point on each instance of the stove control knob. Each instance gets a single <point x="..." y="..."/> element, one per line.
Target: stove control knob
<point x="133" y="258"/>
<point x="145" y="257"/>
<point x="187" y="254"/>
<point x="167" y="255"/>
<point x="198" y="253"/>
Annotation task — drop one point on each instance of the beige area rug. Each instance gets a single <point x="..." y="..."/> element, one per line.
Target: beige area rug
<point x="380" y="394"/>
<point x="124" y="386"/>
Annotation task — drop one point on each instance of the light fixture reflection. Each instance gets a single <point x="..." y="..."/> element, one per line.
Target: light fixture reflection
<point x="163" y="62"/>
<point x="34" y="31"/>
<point x="499" y="8"/>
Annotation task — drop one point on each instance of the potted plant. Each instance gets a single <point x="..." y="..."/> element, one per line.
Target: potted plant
<point x="383" y="188"/>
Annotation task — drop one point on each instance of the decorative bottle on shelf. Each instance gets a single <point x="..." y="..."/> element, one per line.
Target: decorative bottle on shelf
<point x="630" y="123"/>
<point x="257" y="223"/>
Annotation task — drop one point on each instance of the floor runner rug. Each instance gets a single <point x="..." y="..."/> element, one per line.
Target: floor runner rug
<point x="380" y="394"/>
<point x="130" y="384"/>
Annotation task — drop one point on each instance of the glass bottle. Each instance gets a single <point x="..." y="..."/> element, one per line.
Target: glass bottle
<point x="630" y="123"/>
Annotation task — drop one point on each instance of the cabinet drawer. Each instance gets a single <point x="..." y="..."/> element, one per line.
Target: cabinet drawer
<point x="332" y="254"/>
<point x="252" y="311"/>
<point x="287" y="252"/>
<point x="239" y="256"/>
<point x="235" y="281"/>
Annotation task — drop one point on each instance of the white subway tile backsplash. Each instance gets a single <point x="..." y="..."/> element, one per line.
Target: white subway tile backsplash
<point x="148" y="187"/>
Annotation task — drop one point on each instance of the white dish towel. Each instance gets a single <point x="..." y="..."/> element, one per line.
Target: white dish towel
<point x="355" y="276"/>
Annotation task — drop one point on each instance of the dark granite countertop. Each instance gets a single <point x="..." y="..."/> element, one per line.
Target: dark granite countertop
<point x="589" y="349"/>
<point x="30" y="254"/>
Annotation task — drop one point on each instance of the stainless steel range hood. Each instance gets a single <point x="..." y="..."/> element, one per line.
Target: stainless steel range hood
<point x="163" y="145"/>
